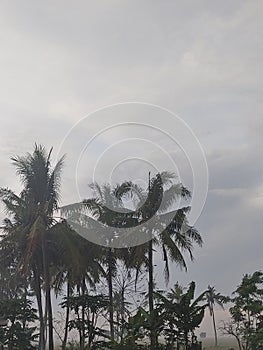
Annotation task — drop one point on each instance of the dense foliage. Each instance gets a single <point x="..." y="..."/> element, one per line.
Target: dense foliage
<point x="246" y="323"/>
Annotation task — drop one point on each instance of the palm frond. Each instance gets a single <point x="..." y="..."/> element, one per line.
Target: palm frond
<point x="173" y="250"/>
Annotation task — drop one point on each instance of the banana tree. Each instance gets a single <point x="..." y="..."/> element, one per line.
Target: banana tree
<point x="182" y="314"/>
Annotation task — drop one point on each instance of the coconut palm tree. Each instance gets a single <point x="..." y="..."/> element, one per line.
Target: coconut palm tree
<point x="31" y="224"/>
<point x="170" y="230"/>
<point x="213" y="298"/>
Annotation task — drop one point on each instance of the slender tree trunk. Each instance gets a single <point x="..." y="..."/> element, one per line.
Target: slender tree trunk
<point x="153" y="335"/>
<point x="91" y="334"/>
<point x="214" y="325"/>
<point x="82" y="340"/>
<point x="117" y="325"/>
<point x="65" y="338"/>
<point x="82" y="332"/>
<point x="186" y="339"/>
<point x="25" y="300"/>
<point x="50" y="321"/>
<point x="48" y="296"/>
<point x="79" y="321"/>
<point x="122" y="314"/>
<point x="37" y="287"/>
<point x="238" y="342"/>
<point x="110" y="272"/>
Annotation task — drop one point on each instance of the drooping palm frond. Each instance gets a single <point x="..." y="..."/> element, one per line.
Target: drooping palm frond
<point x="194" y="235"/>
<point x="172" y="250"/>
<point x="171" y="197"/>
<point x="128" y="189"/>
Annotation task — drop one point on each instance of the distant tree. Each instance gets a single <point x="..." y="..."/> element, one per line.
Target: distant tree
<point x="246" y="323"/>
<point x="213" y="298"/>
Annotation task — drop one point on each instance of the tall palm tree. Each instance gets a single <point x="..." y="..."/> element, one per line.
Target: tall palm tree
<point x="32" y="215"/>
<point x="170" y="231"/>
<point x="213" y="298"/>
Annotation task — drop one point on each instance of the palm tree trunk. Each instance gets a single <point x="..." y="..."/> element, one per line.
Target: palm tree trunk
<point x="50" y="320"/>
<point x="82" y="340"/>
<point x="82" y="331"/>
<point x="186" y="339"/>
<point x="25" y="300"/>
<point x="122" y="314"/>
<point x="48" y="296"/>
<point x="214" y="325"/>
<point x="150" y="293"/>
<point x="110" y="272"/>
<point x="64" y="342"/>
<point x="37" y="288"/>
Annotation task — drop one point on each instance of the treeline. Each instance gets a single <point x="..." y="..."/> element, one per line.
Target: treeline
<point x="107" y="291"/>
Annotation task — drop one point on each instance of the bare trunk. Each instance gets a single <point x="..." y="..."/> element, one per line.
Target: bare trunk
<point x="110" y="272"/>
<point x="37" y="288"/>
<point x="50" y="320"/>
<point x="82" y="339"/>
<point x="122" y="313"/>
<point x="48" y="296"/>
<point x="214" y="325"/>
<point x="82" y="332"/>
<point x="65" y="339"/>
<point x="153" y="335"/>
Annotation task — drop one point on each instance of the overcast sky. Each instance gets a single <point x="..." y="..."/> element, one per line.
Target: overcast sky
<point x="202" y="60"/>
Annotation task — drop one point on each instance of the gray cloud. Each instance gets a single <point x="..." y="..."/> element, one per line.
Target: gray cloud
<point x="60" y="61"/>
